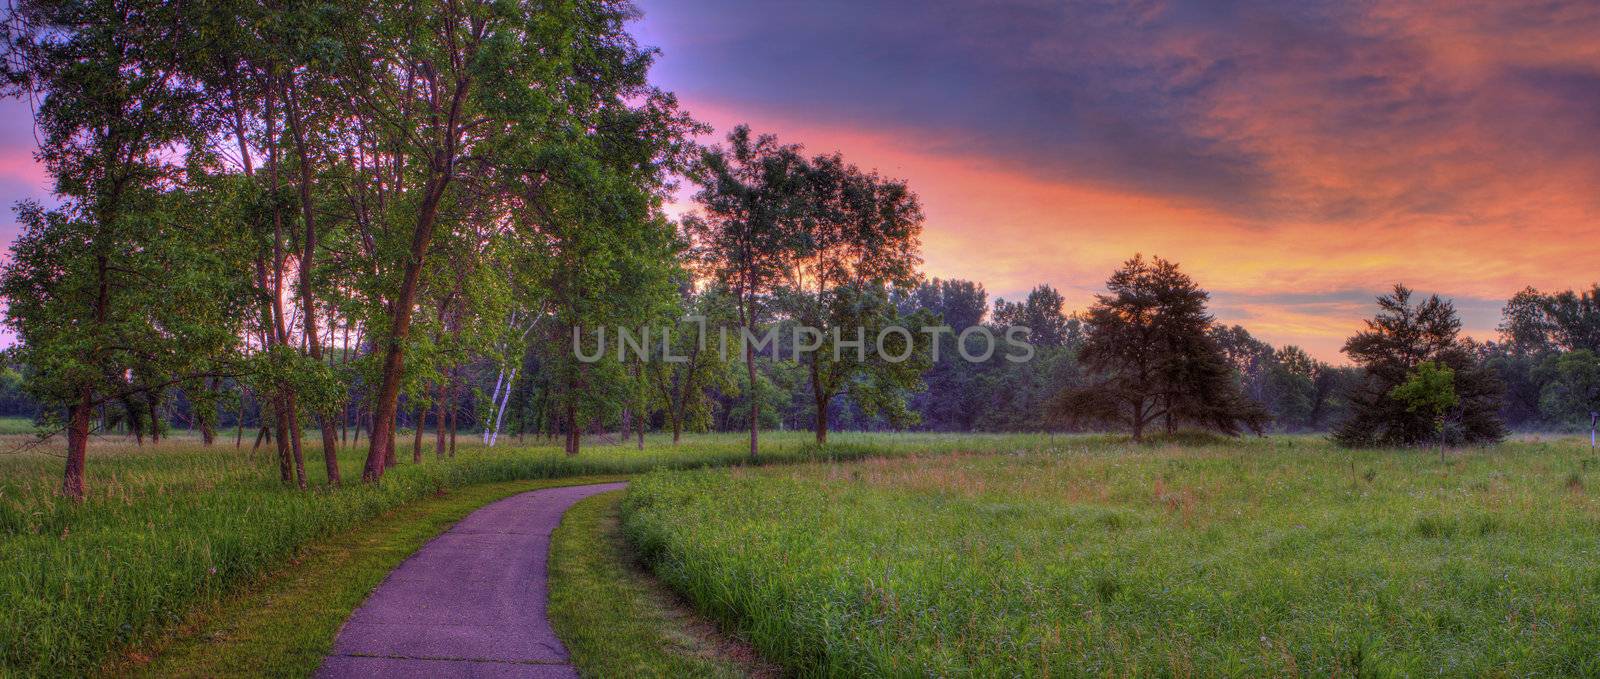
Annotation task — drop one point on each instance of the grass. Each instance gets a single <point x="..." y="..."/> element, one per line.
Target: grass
<point x="283" y="624"/>
<point x="1266" y="557"/>
<point x="615" y="619"/>
<point x="173" y="528"/>
<point x="16" y="425"/>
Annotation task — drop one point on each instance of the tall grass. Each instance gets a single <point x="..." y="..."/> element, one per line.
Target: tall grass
<point x="1268" y="557"/>
<point x="167" y="527"/>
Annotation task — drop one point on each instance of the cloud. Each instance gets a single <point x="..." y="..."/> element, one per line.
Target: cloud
<point x="1282" y="152"/>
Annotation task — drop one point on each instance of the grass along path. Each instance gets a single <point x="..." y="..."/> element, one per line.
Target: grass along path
<point x="471" y="602"/>
<point x="617" y="620"/>
<point x="284" y="623"/>
<point x="1257" y="558"/>
<point x="168" y="529"/>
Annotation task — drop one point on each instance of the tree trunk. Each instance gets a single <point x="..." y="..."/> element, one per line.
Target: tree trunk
<point x="500" y="410"/>
<point x="295" y="438"/>
<point x="155" y="417"/>
<point x="452" y="419"/>
<point x="308" y="251"/>
<point x="494" y="404"/>
<point x="438" y="424"/>
<point x="77" y="445"/>
<point x="382" y="433"/>
<point x="822" y="421"/>
<point x="285" y="461"/>
<point x="821" y="398"/>
<point x="755" y="398"/>
<point x="208" y="430"/>
<point x="416" y="436"/>
<point x="1172" y="425"/>
<point x="574" y="438"/>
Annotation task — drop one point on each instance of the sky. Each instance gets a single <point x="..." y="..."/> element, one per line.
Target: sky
<point x="1297" y="158"/>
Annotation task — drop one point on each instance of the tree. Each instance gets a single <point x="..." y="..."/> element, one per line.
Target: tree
<point x="1041" y="314"/>
<point x="857" y="235"/>
<point x="686" y="372"/>
<point x="1536" y="323"/>
<point x="1430" y="390"/>
<point x="1250" y="358"/>
<point x="952" y="399"/>
<point x="121" y="280"/>
<point x="1397" y="340"/>
<point x="1571" y="392"/>
<point x="450" y="97"/>
<point x="747" y="231"/>
<point x="1152" y="357"/>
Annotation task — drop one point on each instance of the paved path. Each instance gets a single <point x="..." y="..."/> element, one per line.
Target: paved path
<point x="470" y="603"/>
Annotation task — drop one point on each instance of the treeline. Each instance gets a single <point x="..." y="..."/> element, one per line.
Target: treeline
<point x="363" y="216"/>
<point x="1549" y="359"/>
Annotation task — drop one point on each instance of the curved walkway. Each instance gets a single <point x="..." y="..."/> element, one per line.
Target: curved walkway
<point x="470" y="603"/>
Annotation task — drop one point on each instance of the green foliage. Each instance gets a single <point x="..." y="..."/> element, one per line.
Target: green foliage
<point x="1095" y="558"/>
<point x="1430" y="390"/>
<point x="1571" y="389"/>
<point x="613" y="617"/>
<point x="1396" y="342"/>
<point x="1153" y="358"/>
<point x="1538" y="323"/>
<point x="315" y="384"/>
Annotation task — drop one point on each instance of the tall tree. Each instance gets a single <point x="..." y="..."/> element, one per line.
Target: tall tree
<point x="857" y="235"/>
<point x="1397" y="340"/>
<point x="747" y="232"/>
<point x="689" y="367"/>
<point x="455" y="85"/>
<point x="1153" y="358"/>
<point x="1571" y="387"/>
<point x="953" y="399"/>
<point x="94" y="290"/>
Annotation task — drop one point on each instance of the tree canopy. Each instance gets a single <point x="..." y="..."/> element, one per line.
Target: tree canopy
<point x="1152" y="357"/>
<point x="1400" y="338"/>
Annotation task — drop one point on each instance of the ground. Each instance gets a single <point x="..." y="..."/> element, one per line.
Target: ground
<point x="940" y="553"/>
<point x="1265" y="557"/>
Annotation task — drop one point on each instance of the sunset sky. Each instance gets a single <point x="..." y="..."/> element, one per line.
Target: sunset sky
<point x="1295" y="158"/>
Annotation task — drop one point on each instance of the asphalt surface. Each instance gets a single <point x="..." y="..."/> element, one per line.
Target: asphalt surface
<point x="471" y="603"/>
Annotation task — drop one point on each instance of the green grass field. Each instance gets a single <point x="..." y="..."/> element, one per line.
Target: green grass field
<point x="284" y="623"/>
<point x="937" y="554"/>
<point x="171" y="528"/>
<point x="1282" y="556"/>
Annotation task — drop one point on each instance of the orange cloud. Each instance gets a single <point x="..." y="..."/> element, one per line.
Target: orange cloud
<point x="1011" y="230"/>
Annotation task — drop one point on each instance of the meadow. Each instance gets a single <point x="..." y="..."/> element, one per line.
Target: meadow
<point x="1279" y="556"/>
<point x="168" y="528"/>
